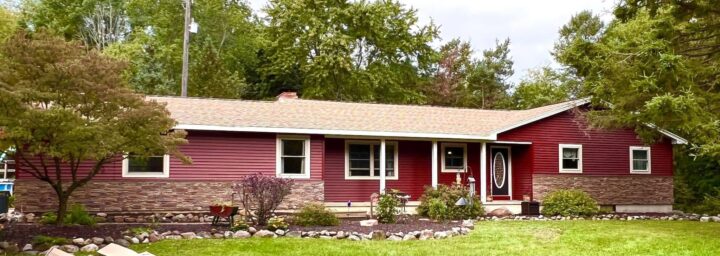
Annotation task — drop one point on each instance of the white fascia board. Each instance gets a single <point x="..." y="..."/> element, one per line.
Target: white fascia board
<point x="676" y="138"/>
<point x="331" y="132"/>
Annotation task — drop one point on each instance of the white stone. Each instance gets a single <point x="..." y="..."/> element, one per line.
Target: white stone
<point x="280" y="232"/>
<point x="69" y="248"/>
<point x="426" y="234"/>
<point x="408" y="237"/>
<point x="188" y="235"/>
<point x="705" y="219"/>
<point x="394" y="238"/>
<point x="264" y="233"/>
<point x="27" y="247"/>
<point x="241" y="234"/>
<point x="368" y="223"/>
<point x="89" y="248"/>
<point x="440" y="235"/>
<point x="134" y="240"/>
<point x="97" y="240"/>
<point x="78" y="241"/>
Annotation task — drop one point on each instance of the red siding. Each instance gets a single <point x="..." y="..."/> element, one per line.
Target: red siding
<point x="337" y="189"/>
<point x="223" y="156"/>
<point x="605" y="152"/>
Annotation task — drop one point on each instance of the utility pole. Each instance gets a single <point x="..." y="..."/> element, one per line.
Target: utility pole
<point x="186" y="46"/>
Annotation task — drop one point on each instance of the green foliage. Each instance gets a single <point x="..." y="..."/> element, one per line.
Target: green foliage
<point x="240" y="224"/>
<point x="377" y="55"/>
<point x="569" y="202"/>
<point x="387" y="209"/>
<point x="42" y="242"/>
<point x="8" y="23"/>
<point x="276" y="223"/>
<point x="140" y="230"/>
<point x="463" y="81"/>
<point x="65" y="105"/>
<point x="437" y="209"/>
<point x="11" y="201"/>
<point x="710" y="204"/>
<point x="542" y="87"/>
<point x="76" y="215"/>
<point x="448" y="195"/>
<point x="315" y="214"/>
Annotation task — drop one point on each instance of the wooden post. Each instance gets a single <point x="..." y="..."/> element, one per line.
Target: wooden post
<point x="382" y="166"/>
<point x="434" y="168"/>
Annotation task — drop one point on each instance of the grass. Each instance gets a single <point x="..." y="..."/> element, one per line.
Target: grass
<point x="488" y="238"/>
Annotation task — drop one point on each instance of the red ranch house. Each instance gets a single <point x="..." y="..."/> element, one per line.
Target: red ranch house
<point x="339" y="152"/>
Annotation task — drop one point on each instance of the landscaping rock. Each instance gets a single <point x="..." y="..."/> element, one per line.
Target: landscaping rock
<point x="280" y="232"/>
<point x="122" y="242"/>
<point x="218" y="235"/>
<point x="4" y="245"/>
<point x="368" y="223"/>
<point x="440" y="235"/>
<point x="145" y="241"/>
<point x="79" y="241"/>
<point x="154" y="238"/>
<point x="354" y="238"/>
<point x="27" y="247"/>
<point x="97" y="240"/>
<point x="69" y="248"/>
<point x="500" y="212"/>
<point x="241" y="234"/>
<point x="705" y="219"/>
<point x="409" y="237"/>
<point x="204" y="234"/>
<point x="394" y="238"/>
<point x="228" y="234"/>
<point x="252" y="230"/>
<point x="264" y="234"/>
<point x="188" y="235"/>
<point x="468" y="224"/>
<point x="134" y="240"/>
<point x="294" y="234"/>
<point x="426" y="234"/>
<point x="89" y="248"/>
<point x="378" y="235"/>
<point x="341" y="235"/>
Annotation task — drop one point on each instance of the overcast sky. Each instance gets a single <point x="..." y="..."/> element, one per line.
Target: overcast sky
<point x="531" y="25"/>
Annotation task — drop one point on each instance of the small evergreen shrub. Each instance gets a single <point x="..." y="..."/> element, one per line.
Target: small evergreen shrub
<point x="387" y="209"/>
<point x="48" y="218"/>
<point x="276" y="223"/>
<point x="448" y="195"/>
<point x="315" y="214"/>
<point x="569" y="202"/>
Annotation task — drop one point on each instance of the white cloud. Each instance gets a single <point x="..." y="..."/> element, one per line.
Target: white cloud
<point x="531" y="25"/>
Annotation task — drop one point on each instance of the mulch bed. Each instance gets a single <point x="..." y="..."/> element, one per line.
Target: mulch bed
<point x="23" y="233"/>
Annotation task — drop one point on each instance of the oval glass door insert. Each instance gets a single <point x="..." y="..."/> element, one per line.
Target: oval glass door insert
<point x="499" y="170"/>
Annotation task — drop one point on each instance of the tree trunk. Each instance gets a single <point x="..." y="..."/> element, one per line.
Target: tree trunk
<point x="62" y="208"/>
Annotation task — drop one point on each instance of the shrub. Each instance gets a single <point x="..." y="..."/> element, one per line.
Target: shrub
<point x="448" y="195"/>
<point x="261" y="195"/>
<point x="387" y="209"/>
<point x="569" y="202"/>
<point x="76" y="215"/>
<point x="315" y="214"/>
<point x="437" y="209"/>
<point x="43" y="243"/>
<point x="276" y="223"/>
<point x="710" y="204"/>
<point x="239" y="224"/>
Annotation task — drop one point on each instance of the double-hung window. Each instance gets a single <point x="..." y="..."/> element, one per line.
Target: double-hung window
<point x="640" y="160"/>
<point x="146" y="166"/>
<point x="293" y="156"/>
<point x="454" y="157"/>
<point x="363" y="160"/>
<point x="570" y="158"/>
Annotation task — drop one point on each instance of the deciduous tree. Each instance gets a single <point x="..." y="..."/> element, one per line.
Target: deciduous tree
<point x="63" y="107"/>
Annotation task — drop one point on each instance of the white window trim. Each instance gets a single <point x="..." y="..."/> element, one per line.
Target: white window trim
<point x="278" y="157"/>
<point x="164" y="174"/>
<point x="372" y="163"/>
<point x="560" y="158"/>
<point x="649" y="165"/>
<point x="442" y="157"/>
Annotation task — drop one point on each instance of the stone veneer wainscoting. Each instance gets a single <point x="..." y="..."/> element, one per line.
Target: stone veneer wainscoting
<point x="149" y="196"/>
<point x="610" y="190"/>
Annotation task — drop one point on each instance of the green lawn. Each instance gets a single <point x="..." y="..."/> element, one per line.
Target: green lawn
<point x="489" y="238"/>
